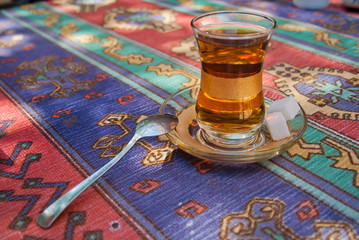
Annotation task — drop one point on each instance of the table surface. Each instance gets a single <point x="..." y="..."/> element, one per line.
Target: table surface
<point x="76" y="77"/>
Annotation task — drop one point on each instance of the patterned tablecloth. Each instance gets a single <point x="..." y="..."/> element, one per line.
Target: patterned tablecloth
<point x="76" y="77"/>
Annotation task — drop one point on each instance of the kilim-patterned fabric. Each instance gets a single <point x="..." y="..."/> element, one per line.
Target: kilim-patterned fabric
<point x="76" y="77"/>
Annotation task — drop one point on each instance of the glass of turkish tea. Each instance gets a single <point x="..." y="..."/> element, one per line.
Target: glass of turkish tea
<point x="230" y="104"/>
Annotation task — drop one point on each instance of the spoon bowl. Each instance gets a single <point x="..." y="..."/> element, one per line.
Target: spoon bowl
<point x="156" y="125"/>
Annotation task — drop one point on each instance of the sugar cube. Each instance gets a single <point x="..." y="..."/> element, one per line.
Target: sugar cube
<point x="277" y="125"/>
<point x="287" y="106"/>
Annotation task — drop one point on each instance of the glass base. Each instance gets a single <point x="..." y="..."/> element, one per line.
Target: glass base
<point x="231" y="141"/>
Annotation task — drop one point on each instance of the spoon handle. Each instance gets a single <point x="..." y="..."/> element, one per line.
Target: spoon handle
<point x="48" y="216"/>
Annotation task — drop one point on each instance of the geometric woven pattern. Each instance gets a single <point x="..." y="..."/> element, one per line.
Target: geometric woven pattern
<point x="77" y="76"/>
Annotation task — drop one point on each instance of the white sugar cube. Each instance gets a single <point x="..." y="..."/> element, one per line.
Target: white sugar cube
<point x="277" y="125"/>
<point x="287" y="106"/>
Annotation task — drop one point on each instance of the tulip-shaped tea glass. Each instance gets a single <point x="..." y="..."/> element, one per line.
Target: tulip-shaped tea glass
<point x="230" y="103"/>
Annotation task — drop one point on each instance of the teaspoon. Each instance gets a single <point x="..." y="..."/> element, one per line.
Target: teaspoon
<point x="154" y="125"/>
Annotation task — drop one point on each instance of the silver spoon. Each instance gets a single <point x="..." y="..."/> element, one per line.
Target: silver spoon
<point x="154" y="125"/>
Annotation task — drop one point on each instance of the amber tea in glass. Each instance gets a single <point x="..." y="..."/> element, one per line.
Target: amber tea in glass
<point x="230" y="104"/>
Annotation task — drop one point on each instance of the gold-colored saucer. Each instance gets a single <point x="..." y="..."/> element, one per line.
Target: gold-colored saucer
<point x="187" y="135"/>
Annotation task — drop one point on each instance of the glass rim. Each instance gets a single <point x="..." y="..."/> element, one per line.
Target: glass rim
<point x="254" y="14"/>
